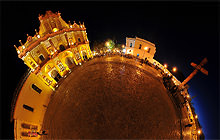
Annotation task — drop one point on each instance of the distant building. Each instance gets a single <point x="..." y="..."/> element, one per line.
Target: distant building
<point x="55" y="49"/>
<point x="140" y="48"/>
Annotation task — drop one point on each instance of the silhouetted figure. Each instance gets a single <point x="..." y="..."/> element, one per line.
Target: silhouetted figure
<point x="188" y="125"/>
<point x="43" y="133"/>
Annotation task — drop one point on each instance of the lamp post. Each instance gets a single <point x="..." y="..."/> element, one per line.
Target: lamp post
<point x="165" y="66"/>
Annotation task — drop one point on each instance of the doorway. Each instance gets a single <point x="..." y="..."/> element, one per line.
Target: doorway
<point x="69" y="62"/>
<point x="84" y="55"/>
<point x="55" y="75"/>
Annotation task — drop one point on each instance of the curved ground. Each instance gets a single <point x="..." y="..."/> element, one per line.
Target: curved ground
<point x="111" y="97"/>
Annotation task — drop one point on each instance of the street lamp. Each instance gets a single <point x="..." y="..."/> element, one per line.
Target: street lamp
<point x="199" y="132"/>
<point x="165" y="66"/>
<point x="174" y="69"/>
<point x="188" y="96"/>
<point x="196" y="116"/>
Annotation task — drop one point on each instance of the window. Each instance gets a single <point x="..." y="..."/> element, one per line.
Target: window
<point x="130" y="44"/>
<point x="78" y="56"/>
<point x="34" y="127"/>
<point x="60" y="65"/>
<point x="79" y="39"/>
<point x="32" y="64"/>
<point x="24" y="125"/>
<point x="149" y="50"/>
<point x="36" y="88"/>
<point x="28" y="108"/>
<point x="62" y="48"/>
<point x="41" y="57"/>
<point x="140" y="46"/>
<point x="24" y="134"/>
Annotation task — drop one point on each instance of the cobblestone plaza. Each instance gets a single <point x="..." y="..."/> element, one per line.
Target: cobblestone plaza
<point x="112" y="97"/>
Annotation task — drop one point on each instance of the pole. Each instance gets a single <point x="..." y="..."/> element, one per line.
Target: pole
<point x="198" y="68"/>
<point x="189" y="77"/>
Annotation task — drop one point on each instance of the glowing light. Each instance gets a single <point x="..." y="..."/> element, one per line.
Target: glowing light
<point x="71" y="26"/>
<point x="55" y="29"/>
<point x="23" y="46"/>
<point x="107" y="43"/>
<point x="80" y="64"/>
<point x="199" y="131"/>
<point x="188" y="96"/>
<point x="146" y="48"/>
<point x="196" y="116"/>
<point x="174" y="69"/>
<point x="165" y="65"/>
<point x="18" y="52"/>
<point x="38" y="36"/>
<point x="123" y="46"/>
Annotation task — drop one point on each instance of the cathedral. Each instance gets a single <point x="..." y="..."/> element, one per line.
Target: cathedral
<point x="55" y="49"/>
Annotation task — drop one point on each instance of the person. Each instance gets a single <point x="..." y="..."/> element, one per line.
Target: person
<point x="43" y="133"/>
<point x="188" y="125"/>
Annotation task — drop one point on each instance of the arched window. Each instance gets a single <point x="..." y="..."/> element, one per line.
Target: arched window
<point x="41" y="57"/>
<point x="79" y="39"/>
<point x="62" y="48"/>
<point x="140" y="46"/>
<point x="28" y="108"/>
<point x="36" y="88"/>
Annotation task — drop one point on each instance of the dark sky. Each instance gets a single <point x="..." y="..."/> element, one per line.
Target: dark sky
<point x="183" y="32"/>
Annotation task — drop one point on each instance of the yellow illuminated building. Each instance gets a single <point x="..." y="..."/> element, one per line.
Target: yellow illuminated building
<point x="50" y="54"/>
<point x="55" y="49"/>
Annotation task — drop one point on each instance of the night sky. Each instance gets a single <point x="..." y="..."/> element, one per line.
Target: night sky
<point x="183" y="32"/>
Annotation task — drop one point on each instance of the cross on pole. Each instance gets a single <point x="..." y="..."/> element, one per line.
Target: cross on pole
<point x="197" y="68"/>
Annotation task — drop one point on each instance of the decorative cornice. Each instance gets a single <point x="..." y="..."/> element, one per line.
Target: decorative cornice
<point x="45" y="37"/>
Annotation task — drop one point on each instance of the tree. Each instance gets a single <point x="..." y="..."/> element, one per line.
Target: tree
<point x="110" y="44"/>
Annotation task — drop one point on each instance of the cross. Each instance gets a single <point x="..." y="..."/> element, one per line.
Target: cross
<point x="197" y="68"/>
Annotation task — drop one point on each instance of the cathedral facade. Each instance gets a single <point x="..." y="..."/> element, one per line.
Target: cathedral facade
<point x="55" y="49"/>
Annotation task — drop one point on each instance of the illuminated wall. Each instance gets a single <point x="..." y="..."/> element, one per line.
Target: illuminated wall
<point x="30" y="107"/>
<point x="55" y="49"/>
<point x="50" y="54"/>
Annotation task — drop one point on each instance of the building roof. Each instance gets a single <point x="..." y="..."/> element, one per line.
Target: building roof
<point x="140" y="39"/>
<point x="48" y="23"/>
